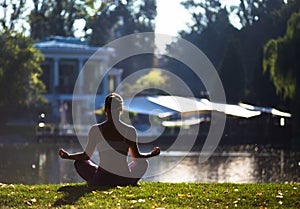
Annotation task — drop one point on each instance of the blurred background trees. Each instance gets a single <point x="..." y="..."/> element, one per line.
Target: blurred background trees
<point x="257" y="57"/>
<point x="281" y="62"/>
<point x="55" y="17"/>
<point x="20" y="86"/>
<point x="214" y="34"/>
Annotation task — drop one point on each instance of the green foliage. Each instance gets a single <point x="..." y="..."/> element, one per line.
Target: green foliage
<point x="261" y="21"/>
<point x="111" y="21"/>
<point x="232" y="73"/>
<point x="152" y="195"/>
<point x="12" y="14"/>
<point x="114" y="19"/>
<point x="250" y="11"/>
<point x="154" y="79"/>
<point x="20" y="86"/>
<point x="203" y="13"/>
<point x="281" y="59"/>
<point x="152" y="82"/>
<point x="57" y="17"/>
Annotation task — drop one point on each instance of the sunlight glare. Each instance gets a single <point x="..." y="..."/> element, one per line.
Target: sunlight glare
<point x="171" y="17"/>
<point x="78" y="27"/>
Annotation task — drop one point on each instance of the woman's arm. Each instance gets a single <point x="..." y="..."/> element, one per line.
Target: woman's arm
<point x="134" y="150"/>
<point x="88" y="152"/>
<point x="75" y="156"/>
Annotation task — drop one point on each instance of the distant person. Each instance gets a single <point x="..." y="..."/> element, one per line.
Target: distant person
<point x="114" y="139"/>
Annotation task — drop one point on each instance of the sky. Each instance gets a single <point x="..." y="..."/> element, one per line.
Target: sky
<point x="173" y="17"/>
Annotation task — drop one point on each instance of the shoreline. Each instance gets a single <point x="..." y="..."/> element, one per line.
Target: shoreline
<point x="164" y="141"/>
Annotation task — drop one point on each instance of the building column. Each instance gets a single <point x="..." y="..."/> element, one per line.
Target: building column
<point x="119" y="76"/>
<point x="56" y="74"/>
<point x="80" y="76"/>
<point x="56" y="98"/>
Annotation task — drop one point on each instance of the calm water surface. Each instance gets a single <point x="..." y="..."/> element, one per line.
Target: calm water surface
<point x="40" y="164"/>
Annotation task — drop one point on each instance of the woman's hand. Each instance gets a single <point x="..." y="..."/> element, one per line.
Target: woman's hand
<point x="155" y="151"/>
<point x="63" y="154"/>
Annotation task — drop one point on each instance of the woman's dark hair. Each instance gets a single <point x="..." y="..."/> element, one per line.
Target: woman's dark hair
<point x="114" y="102"/>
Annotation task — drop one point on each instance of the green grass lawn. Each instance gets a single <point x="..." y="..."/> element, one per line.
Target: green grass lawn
<point x="152" y="195"/>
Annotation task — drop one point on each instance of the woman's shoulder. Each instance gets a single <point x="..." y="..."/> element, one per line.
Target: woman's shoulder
<point x="95" y="128"/>
<point x="127" y="126"/>
<point x="120" y="125"/>
<point x="130" y="132"/>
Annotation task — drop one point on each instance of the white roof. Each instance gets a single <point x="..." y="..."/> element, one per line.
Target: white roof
<point x="270" y="110"/>
<point x="186" y="105"/>
<point x="169" y="105"/>
<point x="58" y="44"/>
<point x="69" y="45"/>
<point x="142" y="105"/>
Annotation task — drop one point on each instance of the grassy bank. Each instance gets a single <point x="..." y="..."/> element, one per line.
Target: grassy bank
<point x="152" y="195"/>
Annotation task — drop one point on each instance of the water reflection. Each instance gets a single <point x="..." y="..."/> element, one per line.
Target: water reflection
<point x="267" y="166"/>
<point x="40" y="164"/>
<point x="239" y="169"/>
<point x="35" y="164"/>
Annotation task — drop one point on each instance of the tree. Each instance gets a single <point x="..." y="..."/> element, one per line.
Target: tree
<point x="111" y="21"/>
<point x="20" y="86"/>
<point x="154" y="79"/>
<point x="203" y="13"/>
<point x="232" y="73"/>
<point x="210" y="36"/>
<point x="250" y="11"/>
<point x="252" y="39"/>
<point x="123" y="18"/>
<point x="211" y="28"/>
<point x="12" y="12"/>
<point x="101" y="22"/>
<point x="281" y="60"/>
<point x="56" y="17"/>
<point x="151" y="82"/>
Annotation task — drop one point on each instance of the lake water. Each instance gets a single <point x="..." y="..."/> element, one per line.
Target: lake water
<point x="40" y="164"/>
